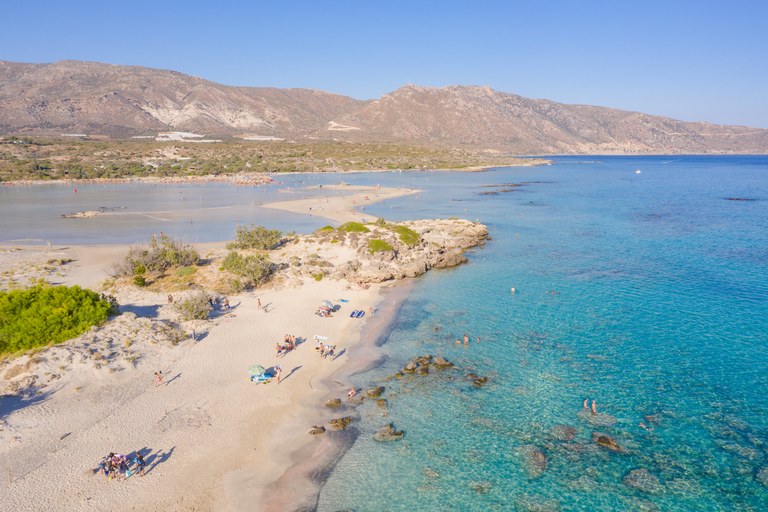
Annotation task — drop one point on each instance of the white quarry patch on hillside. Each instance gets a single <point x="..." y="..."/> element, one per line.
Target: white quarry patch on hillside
<point x="333" y="125"/>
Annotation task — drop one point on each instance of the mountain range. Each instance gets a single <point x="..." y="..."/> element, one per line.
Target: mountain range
<point x="122" y="101"/>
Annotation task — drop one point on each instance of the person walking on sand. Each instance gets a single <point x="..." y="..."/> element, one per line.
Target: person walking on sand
<point x="258" y="303"/>
<point x="278" y="369"/>
<point x="159" y="378"/>
<point x="371" y="310"/>
<point x="279" y="349"/>
<point x="226" y="303"/>
<point x="170" y="299"/>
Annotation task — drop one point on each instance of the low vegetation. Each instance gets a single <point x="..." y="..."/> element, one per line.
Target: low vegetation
<point x="407" y="235"/>
<point x="37" y="158"/>
<point x="193" y="307"/>
<point x="255" y="237"/>
<point x="254" y="269"/>
<point x="46" y="315"/>
<point x="377" y="245"/>
<point x="354" y="227"/>
<point x="158" y="256"/>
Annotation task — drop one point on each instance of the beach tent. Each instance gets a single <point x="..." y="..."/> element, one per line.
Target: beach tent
<point x="258" y="374"/>
<point x="328" y="304"/>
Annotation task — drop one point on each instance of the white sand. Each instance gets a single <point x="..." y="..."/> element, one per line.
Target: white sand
<point x="205" y="432"/>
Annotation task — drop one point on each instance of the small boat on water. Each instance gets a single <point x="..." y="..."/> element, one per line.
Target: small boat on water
<point x="637" y="171"/>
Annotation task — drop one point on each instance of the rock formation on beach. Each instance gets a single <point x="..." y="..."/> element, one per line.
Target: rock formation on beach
<point x="381" y="253"/>
<point x="108" y="100"/>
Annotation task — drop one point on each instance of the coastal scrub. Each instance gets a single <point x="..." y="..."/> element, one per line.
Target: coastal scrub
<point x="48" y="315"/>
<point x="255" y="237"/>
<point x="354" y="227"/>
<point x="255" y="268"/>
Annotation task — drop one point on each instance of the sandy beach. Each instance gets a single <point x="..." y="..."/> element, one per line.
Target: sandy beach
<point x="212" y="439"/>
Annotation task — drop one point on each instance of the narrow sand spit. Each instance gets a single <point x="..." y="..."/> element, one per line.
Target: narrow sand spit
<point x="95" y="395"/>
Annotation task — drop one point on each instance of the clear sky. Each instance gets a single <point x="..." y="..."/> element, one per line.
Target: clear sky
<point x="694" y="61"/>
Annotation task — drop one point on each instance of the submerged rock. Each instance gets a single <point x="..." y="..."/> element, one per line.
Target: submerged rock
<point x="534" y="461"/>
<point x="600" y="419"/>
<point x="481" y="487"/>
<point x="341" y="423"/>
<point x="422" y="371"/>
<point x="333" y="402"/>
<point x="410" y="367"/>
<point x="762" y="475"/>
<point x="480" y="381"/>
<point x="605" y="441"/>
<point x="441" y="362"/>
<point x="375" y="392"/>
<point x="382" y="403"/>
<point x="562" y="432"/>
<point x="642" y="480"/>
<point x="315" y="430"/>
<point x="430" y="473"/>
<point x="388" y="433"/>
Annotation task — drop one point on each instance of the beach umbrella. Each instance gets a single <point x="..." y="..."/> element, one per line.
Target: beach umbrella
<point x="256" y="369"/>
<point x="326" y="308"/>
<point x="328" y="304"/>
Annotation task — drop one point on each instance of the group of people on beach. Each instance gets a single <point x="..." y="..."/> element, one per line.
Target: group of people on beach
<point x="118" y="465"/>
<point x="290" y="344"/>
<point x="466" y="340"/>
<point x="327" y="350"/>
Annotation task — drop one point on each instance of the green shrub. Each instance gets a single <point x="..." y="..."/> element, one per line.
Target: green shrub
<point x="186" y="271"/>
<point x="376" y="245"/>
<point x="324" y="229"/>
<point x="318" y="277"/>
<point x="156" y="257"/>
<point x="194" y="307"/>
<point x="407" y="235"/>
<point x="255" y="237"/>
<point x="139" y="281"/>
<point x="48" y="314"/>
<point x="354" y="227"/>
<point x="255" y="269"/>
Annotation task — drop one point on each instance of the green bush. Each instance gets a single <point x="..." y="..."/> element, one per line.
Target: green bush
<point x="194" y="307"/>
<point x="186" y="271"/>
<point x="377" y="245"/>
<point x="325" y="229"/>
<point x="255" y="237"/>
<point x="354" y="227"/>
<point x="407" y="235"/>
<point x="157" y="257"/>
<point x="255" y="269"/>
<point x="139" y="281"/>
<point x="140" y="270"/>
<point x="318" y="277"/>
<point x="48" y="314"/>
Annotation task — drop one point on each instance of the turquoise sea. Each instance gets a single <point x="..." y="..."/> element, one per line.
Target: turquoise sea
<point x="660" y="314"/>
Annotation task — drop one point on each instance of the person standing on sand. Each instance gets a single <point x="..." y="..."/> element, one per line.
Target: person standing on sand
<point x="279" y="349"/>
<point x="139" y="460"/>
<point x="159" y="378"/>
<point x="258" y="303"/>
<point x="278" y="368"/>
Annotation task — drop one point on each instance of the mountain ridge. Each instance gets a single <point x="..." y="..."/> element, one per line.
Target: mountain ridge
<point x="120" y="101"/>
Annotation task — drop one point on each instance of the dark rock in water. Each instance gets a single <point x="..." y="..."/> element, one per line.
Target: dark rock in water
<point x="410" y="368"/>
<point x="534" y="461"/>
<point x="333" y="402"/>
<point x="762" y="475"/>
<point x="381" y="403"/>
<point x="470" y="376"/>
<point x="480" y="381"/>
<point x="481" y="487"/>
<point x="562" y="432"/>
<point x="375" y="392"/>
<point x="341" y="423"/>
<point x="441" y="362"/>
<point x="388" y="433"/>
<point x="315" y="429"/>
<point x="422" y="371"/>
<point x="528" y="503"/>
<point x="642" y="480"/>
<point x="606" y="441"/>
<point x="422" y="360"/>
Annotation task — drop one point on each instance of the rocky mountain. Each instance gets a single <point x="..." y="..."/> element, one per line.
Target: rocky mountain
<point x="119" y="101"/>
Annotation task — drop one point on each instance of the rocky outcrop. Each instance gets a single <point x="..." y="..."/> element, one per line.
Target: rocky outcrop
<point x="315" y="430"/>
<point x="562" y="433"/>
<point x="388" y="433"/>
<point x="430" y="244"/>
<point x="605" y="441"/>
<point x="534" y="461"/>
<point x="340" y="423"/>
<point x="374" y="392"/>
<point x="333" y="402"/>
<point x="441" y="362"/>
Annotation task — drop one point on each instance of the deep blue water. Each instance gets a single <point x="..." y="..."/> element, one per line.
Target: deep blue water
<point x="660" y="311"/>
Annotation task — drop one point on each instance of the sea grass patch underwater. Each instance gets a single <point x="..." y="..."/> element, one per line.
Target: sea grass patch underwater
<point x="45" y="315"/>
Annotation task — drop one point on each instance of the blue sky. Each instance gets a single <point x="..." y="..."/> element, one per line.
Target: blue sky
<point x="694" y="61"/>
